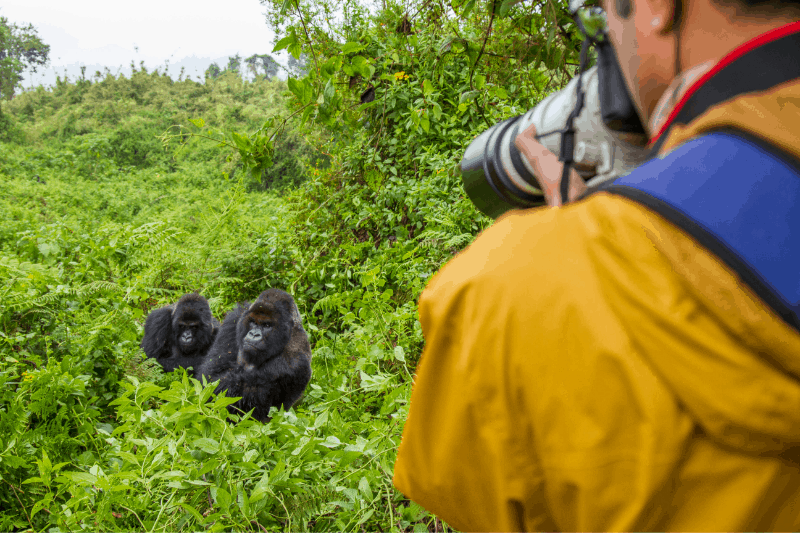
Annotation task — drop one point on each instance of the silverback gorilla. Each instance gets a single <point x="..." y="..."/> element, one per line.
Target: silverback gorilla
<point x="262" y="355"/>
<point x="180" y="335"/>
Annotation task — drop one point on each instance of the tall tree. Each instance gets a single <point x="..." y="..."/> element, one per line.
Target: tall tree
<point x="20" y="48"/>
<point x="234" y="63"/>
<point x="213" y="71"/>
<point x="263" y="62"/>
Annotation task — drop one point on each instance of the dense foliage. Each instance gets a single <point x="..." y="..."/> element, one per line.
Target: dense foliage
<point x="99" y="224"/>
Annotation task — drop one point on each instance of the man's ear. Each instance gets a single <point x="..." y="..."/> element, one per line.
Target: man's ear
<point x="674" y="16"/>
<point x="667" y="15"/>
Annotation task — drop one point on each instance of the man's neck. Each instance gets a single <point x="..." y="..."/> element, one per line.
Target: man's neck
<point x="673" y="94"/>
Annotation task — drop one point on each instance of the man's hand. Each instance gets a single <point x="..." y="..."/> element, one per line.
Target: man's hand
<point x="548" y="168"/>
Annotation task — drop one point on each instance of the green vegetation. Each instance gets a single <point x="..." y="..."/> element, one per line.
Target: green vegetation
<point x="99" y="224"/>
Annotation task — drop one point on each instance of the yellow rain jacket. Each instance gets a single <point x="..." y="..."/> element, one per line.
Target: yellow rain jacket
<point x="631" y="361"/>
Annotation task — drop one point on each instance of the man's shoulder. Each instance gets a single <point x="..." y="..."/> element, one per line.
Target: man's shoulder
<point x="738" y="197"/>
<point x="555" y="250"/>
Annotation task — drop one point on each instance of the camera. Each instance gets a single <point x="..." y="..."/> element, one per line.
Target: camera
<point x="497" y="177"/>
<point x="592" y="123"/>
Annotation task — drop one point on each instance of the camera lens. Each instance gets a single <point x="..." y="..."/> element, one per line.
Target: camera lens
<point x="496" y="177"/>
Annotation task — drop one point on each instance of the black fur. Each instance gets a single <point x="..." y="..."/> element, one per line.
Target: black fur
<point x="262" y="355"/>
<point x="180" y="335"/>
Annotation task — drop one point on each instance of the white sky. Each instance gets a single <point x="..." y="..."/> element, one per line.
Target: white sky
<point x="99" y="33"/>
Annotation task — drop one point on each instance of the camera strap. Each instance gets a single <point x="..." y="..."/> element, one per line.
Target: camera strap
<point x="567" y="154"/>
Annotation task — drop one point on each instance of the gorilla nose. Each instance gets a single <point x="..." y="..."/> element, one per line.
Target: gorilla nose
<point x="253" y="335"/>
<point x="186" y="337"/>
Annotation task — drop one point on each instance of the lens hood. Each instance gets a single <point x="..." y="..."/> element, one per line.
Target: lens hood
<point x="486" y="181"/>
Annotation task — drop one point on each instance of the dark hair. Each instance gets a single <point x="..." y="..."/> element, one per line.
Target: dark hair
<point x="767" y="8"/>
<point x="772" y="3"/>
<point x="624" y="8"/>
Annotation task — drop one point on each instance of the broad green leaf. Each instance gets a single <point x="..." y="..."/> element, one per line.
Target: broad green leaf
<point x="420" y="527"/>
<point x="285" y="42"/>
<point x="295" y="49"/>
<point x="285" y="6"/>
<point x="469" y="5"/>
<point x="361" y="66"/>
<point x="467" y="96"/>
<point x="301" y="89"/>
<point x="499" y="92"/>
<point x="330" y="91"/>
<point x="557" y="57"/>
<point x="243" y="144"/>
<point x="129" y="457"/>
<point x="81" y="478"/>
<point x="399" y="353"/>
<point x="332" y="65"/>
<point x="365" y="489"/>
<point x="222" y="497"/>
<point x="366" y="516"/>
<point x="307" y="114"/>
<point x="350" y="48"/>
<point x="192" y="511"/>
<point x="38" y="506"/>
<point x="321" y="419"/>
<point x="207" y="445"/>
<point x="258" y="494"/>
<point x="427" y="87"/>
<point x="437" y="111"/>
<point x="331" y="442"/>
<point x="506" y="6"/>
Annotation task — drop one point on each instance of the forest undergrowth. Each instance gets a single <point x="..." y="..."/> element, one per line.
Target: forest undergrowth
<point x="92" y="436"/>
<point x="103" y="218"/>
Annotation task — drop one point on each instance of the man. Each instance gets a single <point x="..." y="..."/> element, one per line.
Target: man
<point x="631" y="361"/>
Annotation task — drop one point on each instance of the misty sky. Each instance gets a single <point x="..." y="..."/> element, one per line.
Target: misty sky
<point x="98" y="33"/>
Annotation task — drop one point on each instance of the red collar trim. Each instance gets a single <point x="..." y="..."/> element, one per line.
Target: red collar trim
<point x="736" y="53"/>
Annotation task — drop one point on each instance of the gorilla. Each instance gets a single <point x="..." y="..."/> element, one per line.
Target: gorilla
<point x="180" y="335"/>
<point x="262" y="355"/>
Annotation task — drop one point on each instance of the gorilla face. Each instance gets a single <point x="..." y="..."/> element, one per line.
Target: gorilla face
<point x="192" y="325"/>
<point x="263" y="331"/>
<point x="180" y="335"/>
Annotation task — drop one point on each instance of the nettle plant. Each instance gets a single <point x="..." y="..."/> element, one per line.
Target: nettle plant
<point x="424" y="71"/>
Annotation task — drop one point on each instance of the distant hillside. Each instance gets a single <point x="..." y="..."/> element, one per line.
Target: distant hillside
<point x="120" y="119"/>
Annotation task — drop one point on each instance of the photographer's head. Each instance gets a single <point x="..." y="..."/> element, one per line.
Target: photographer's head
<point x="649" y="54"/>
<point x="658" y="40"/>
